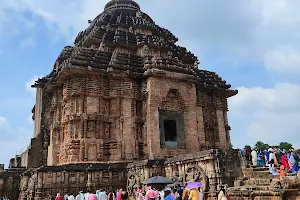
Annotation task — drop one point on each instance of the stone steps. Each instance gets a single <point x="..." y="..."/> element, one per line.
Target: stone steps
<point x="260" y="168"/>
<point x="258" y="182"/>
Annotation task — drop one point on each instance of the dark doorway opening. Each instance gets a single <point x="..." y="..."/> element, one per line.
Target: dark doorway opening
<point x="170" y="130"/>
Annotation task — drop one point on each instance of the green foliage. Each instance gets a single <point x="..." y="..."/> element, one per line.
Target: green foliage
<point x="260" y="146"/>
<point x="285" y="145"/>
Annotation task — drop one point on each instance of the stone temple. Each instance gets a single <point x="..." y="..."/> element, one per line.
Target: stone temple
<point x="123" y="104"/>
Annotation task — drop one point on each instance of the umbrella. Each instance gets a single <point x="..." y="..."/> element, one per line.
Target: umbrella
<point x="174" y="184"/>
<point x="193" y="185"/>
<point x="159" y="180"/>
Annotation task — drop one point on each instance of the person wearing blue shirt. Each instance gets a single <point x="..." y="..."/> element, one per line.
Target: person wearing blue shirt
<point x="168" y="195"/>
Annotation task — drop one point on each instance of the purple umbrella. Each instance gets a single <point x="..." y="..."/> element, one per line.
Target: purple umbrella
<point x="193" y="185"/>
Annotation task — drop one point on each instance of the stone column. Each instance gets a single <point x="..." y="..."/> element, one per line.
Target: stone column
<point x="38" y="111"/>
<point x="127" y="128"/>
<point x="200" y="127"/>
<point x="222" y="131"/>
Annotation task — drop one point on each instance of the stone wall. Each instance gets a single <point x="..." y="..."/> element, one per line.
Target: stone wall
<point x="230" y="166"/>
<point x="10" y="183"/>
<point x="48" y="181"/>
<point x="201" y="166"/>
<point x="35" y="152"/>
<point x="96" y="118"/>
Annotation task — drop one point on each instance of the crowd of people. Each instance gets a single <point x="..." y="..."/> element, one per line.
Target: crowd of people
<point x="143" y="193"/>
<point x="279" y="161"/>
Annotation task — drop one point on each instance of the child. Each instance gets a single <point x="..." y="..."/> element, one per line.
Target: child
<point x="282" y="174"/>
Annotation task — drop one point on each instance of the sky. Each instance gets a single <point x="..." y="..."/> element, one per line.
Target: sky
<point x="254" y="45"/>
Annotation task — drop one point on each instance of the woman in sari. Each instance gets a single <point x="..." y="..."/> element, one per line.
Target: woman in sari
<point x="260" y="159"/>
<point x="293" y="163"/>
<point x="285" y="162"/>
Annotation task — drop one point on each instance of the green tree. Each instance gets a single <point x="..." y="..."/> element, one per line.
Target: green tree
<point x="261" y="146"/>
<point x="285" y="145"/>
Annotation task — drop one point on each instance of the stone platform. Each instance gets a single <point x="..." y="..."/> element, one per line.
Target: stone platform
<point x="203" y="166"/>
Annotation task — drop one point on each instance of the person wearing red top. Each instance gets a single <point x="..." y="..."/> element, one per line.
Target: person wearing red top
<point x="285" y="162"/>
<point x="58" y="197"/>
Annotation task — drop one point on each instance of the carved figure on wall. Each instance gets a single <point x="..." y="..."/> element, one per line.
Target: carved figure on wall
<point x="132" y="181"/>
<point x="107" y="131"/>
<point x="145" y="51"/>
<point x="91" y="129"/>
<point x="31" y="187"/>
<point x="196" y="173"/>
<point x="106" y="107"/>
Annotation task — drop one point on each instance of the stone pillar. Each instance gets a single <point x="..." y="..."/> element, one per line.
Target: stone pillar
<point x="38" y="111"/>
<point x="152" y="119"/>
<point x="222" y="131"/>
<point x="127" y="129"/>
<point x="200" y="127"/>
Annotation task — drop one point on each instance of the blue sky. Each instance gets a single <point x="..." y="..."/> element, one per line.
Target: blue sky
<point x="254" y="45"/>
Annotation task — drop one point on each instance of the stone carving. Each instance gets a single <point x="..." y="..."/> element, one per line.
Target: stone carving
<point x="146" y="51"/>
<point x="132" y="181"/>
<point x="106" y="107"/>
<point x="107" y="131"/>
<point x="195" y="173"/>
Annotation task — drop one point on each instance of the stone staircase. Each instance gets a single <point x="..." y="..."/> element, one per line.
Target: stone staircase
<point x="256" y="178"/>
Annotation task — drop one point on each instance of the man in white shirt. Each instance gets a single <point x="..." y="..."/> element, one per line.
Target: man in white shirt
<point x="271" y="161"/>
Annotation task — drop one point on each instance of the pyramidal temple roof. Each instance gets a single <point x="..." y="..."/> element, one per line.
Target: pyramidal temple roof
<point x="123" y="39"/>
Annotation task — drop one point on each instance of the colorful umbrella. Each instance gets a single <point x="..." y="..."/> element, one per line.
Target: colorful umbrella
<point x="193" y="185"/>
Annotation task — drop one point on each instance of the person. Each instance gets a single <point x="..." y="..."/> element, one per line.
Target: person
<point x="168" y="195"/>
<point x="124" y="195"/>
<point x="282" y="173"/>
<point x="293" y="162"/>
<point x="79" y="196"/>
<point x="254" y="157"/>
<point x="139" y="195"/>
<point x="260" y="159"/>
<point x="71" y="197"/>
<point x="58" y="197"/>
<point x="222" y="196"/>
<point x="150" y="194"/>
<point x="200" y="194"/>
<point x="179" y="192"/>
<point x="111" y="196"/>
<point x="185" y="194"/>
<point x="175" y="194"/>
<point x="119" y="194"/>
<point x="271" y="161"/>
<point x="161" y="195"/>
<point x="194" y="194"/>
<point x="248" y="153"/>
<point x="86" y="195"/>
<point x="92" y="197"/>
<point x="66" y="196"/>
<point x="284" y="161"/>
<point x="102" y="195"/>
<point x="266" y="154"/>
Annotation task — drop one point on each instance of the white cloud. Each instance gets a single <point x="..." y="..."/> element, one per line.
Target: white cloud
<point x="248" y="29"/>
<point x="284" y="59"/>
<point x="268" y="114"/>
